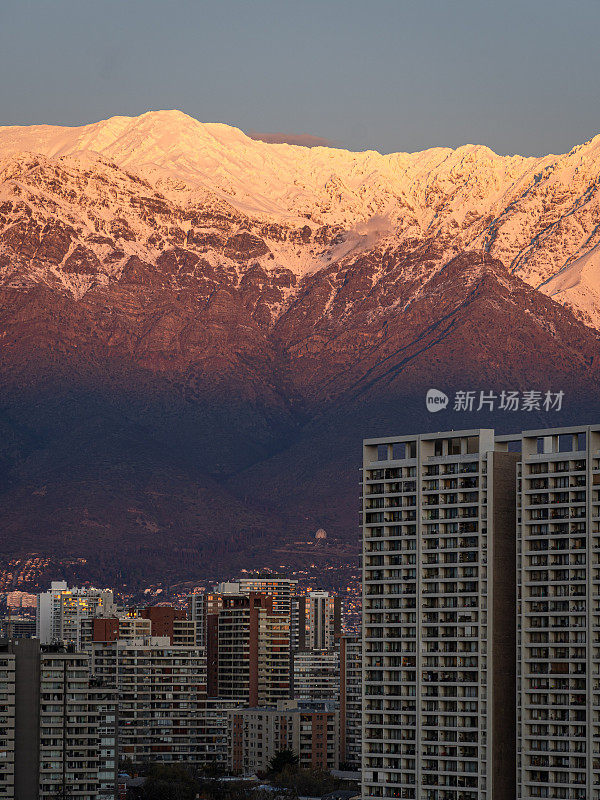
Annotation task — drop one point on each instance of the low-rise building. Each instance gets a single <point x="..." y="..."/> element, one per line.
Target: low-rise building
<point x="257" y="734"/>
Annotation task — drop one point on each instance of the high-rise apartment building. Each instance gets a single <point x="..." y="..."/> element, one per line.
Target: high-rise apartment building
<point x="316" y="676"/>
<point x="60" y="611"/>
<point x="351" y="701"/>
<point x="7" y="722"/>
<point x="324" y="620"/>
<point x="439" y="617"/>
<point x="316" y="621"/>
<point x="161" y="691"/>
<point x="59" y="727"/>
<point x="203" y="607"/>
<point x="253" y="650"/>
<point x="558" y="524"/>
<point x="203" y="610"/>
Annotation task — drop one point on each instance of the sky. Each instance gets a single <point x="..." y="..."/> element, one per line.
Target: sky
<point x="521" y="76"/>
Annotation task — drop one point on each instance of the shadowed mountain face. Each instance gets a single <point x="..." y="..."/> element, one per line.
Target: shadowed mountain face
<point x="127" y="451"/>
<point x="185" y="385"/>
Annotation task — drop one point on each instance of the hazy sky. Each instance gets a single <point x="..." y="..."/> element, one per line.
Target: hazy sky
<point x="518" y="75"/>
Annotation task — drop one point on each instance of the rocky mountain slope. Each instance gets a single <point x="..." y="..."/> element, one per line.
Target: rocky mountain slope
<point x="197" y="329"/>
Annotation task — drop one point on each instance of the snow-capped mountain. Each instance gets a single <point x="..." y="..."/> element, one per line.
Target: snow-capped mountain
<point x="140" y="186"/>
<point x="197" y="329"/>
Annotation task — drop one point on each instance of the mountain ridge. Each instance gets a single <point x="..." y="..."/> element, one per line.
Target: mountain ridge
<point x="537" y="215"/>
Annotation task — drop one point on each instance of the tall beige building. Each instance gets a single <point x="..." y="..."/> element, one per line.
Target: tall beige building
<point x="558" y="525"/>
<point x="316" y="621"/>
<point x="439" y="617"/>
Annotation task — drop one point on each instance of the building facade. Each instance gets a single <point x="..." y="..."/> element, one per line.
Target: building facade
<point x="13" y="627"/>
<point x="161" y="691"/>
<point x="439" y="617"/>
<point x="324" y="620"/>
<point x="351" y="701"/>
<point x="558" y="524"/>
<point x="257" y="734"/>
<point x="316" y="676"/>
<point x="59" y="727"/>
<point x="280" y="589"/>
<point x="253" y="650"/>
<point x="316" y="621"/>
<point x="60" y="611"/>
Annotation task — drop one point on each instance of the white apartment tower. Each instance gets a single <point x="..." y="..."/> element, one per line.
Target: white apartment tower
<point x="558" y="526"/>
<point x="439" y="617"/>
<point x="60" y="611"/>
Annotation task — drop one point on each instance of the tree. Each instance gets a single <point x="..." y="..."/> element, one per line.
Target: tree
<point x="169" y="782"/>
<point x="283" y="760"/>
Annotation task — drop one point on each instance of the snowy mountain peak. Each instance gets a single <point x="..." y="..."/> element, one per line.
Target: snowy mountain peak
<point x="163" y="179"/>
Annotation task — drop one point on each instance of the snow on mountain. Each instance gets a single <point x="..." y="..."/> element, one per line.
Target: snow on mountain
<point x="171" y="180"/>
<point x="578" y="287"/>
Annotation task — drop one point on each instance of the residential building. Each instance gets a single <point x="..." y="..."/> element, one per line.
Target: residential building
<point x="558" y="526"/>
<point x="202" y="607"/>
<point x="324" y="621"/>
<point x="59" y="727"/>
<point x="439" y="617"/>
<point x="7" y="722"/>
<point x="60" y="611"/>
<point x="280" y="589"/>
<point x="161" y="693"/>
<point x="257" y="734"/>
<point x="253" y="650"/>
<point x="13" y="627"/>
<point x="316" y="675"/>
<point x="203" y="610"/>
<point x="351" y="701"/>
<point x="109" y="629"/>
<point x="214" y="730"/>
<point x="171" y="622"/>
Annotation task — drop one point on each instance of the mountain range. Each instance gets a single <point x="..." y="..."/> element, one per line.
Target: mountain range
<point x="198" y="328"/>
